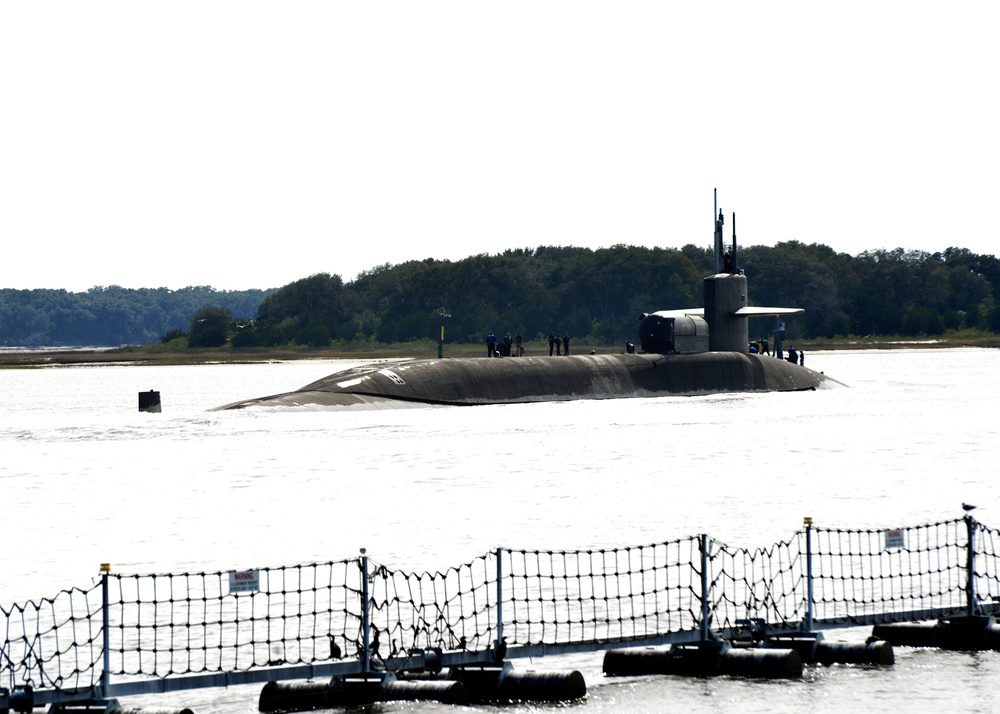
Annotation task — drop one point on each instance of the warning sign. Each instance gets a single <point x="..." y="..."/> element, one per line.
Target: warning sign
<point x="244" y="581"/>
<point x="894" y="539"/>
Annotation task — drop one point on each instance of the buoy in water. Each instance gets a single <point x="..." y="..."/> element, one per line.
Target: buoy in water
<point x="960" y="633"/>
<point x="505" y="684"/>
<point x="877" y="652"/>
<point x="704" y="661"/>
<point x="819" y="651"/>
<point x="564" y="686"/>
<point x="303" y="696"/>
<point x="149" y="401"/>
<point x="442" y="690"/>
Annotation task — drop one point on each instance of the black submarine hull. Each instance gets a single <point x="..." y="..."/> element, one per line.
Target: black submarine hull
<point x="477" y="381"/>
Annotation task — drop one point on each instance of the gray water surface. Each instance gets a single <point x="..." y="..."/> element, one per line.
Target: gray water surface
<point x="85" y="478"/>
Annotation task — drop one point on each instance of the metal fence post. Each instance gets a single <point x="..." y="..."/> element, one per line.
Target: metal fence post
<point x="105" y="631"/>
<point x="499" y="599"/>
<point x="970" y="566"/>
<point x="365" y="622"/>
<point x="704" y="587"/>
<point x="810" y="598"/>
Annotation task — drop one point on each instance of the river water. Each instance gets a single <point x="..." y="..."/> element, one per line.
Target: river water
<point x="85" y="478"/>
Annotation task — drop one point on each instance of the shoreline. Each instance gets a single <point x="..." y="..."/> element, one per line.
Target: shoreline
<point x="13" y="358"/>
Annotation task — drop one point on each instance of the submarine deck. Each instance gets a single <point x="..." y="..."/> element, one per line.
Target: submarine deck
<point x="476" y="381"/>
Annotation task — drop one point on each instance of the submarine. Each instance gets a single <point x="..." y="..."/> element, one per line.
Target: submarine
<point x="698" y="351"/>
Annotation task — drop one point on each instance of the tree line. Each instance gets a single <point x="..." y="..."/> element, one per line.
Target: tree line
<point x="110" y="316"/>
<point x="593" y="295"/>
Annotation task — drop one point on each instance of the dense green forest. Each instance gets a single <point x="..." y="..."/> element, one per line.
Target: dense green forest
<point x="110" y="316"/>
<point x="595" y="296"/>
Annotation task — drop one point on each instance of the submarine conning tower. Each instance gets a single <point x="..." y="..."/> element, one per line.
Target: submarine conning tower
<point x="721" y="324"/>
<point x="725" y="296"/>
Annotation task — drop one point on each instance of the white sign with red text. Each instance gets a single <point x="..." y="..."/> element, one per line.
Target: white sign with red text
<point x="894" y="539"/>
<point x="244" y="581"/>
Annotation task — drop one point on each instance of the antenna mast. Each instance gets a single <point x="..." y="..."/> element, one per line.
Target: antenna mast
<point x="717" y="216"/>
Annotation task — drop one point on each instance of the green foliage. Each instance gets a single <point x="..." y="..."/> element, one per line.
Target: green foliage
<point x="209" y="327"/>
<point x="178" y="344"/>
<point x="577" y="291"/>
<point x="172" y="335"/>
<point x="594" y="296"/>
<point x="306" y="312"/>
<point x="110" y="316"/>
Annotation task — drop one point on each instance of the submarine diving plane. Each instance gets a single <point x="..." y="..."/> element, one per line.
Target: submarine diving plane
<point x="683" y="352"/>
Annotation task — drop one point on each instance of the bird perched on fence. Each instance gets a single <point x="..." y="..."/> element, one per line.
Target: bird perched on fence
<point x="335" y="652"/>
<point x="968" y="507"/>
<point x="500" y="652"/>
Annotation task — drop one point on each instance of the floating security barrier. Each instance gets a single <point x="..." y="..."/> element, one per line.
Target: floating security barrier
<point x="818" y="651"/>
<point x="543" y="686"/>
<point x="695" y="661"/>
<point x="440" y="690"/>
<point x="505" y="684"/>
<point x="461" y="686"/>
<point x="348" y="692"/>
<point x="761" y="663"/>
<point x="303" y="696"/>
<point x="481" y="683"/>
<point x="960" y="633"/>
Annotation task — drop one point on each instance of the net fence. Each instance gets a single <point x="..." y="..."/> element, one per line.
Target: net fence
<point x="601" y="596"/>
<point x="194" y="623"/>
<point x="450" y="610"/>
<point x="748" y="587"/>
<point x="889" y="576"/>
<point x="168" y="625"/>
<point x="54" y="642"/>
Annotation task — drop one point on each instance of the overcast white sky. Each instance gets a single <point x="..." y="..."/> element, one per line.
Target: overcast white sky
<point x="248" y="144"/>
